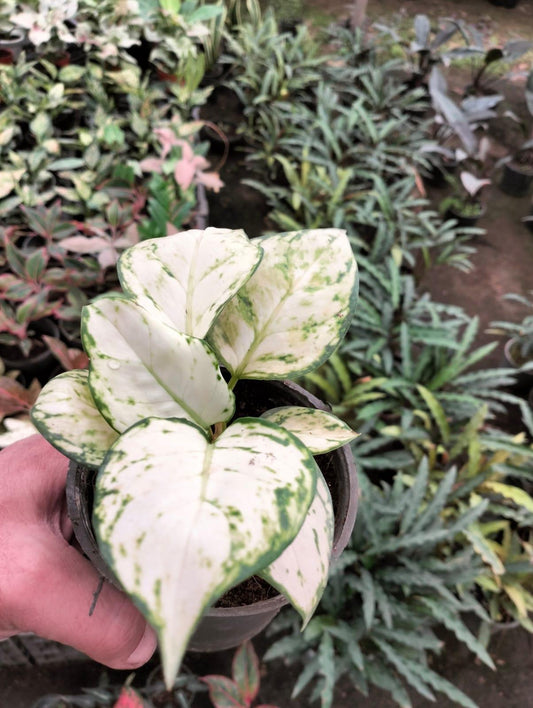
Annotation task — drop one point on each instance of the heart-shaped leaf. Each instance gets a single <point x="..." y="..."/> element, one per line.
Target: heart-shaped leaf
<point x="293" y="312"/>
<point x="65" y="413"/>
<point x="301" y="571"/>
<point x="180" y="520"/>
<point x="186" y="278"/>
<point x="319" y="430"/>
<point x="142" y="368"/>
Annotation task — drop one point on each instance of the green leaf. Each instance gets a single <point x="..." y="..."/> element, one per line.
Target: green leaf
<point x="245" y="672"/>
<point x="141" y="367"/>
<point x="293" y="312"/>
<point x="436" y="411"/>
<point x="65" y="413"/>
<point x="319" y="430"/>
<point x="301" y="571"/>
<point x="186" y="278"/>
<point x="229" y="509"/>
<point x="519" y="496"/>
<point x="40" y="125"/>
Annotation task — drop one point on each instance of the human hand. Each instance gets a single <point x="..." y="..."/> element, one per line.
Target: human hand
<point x="46" y="585"/>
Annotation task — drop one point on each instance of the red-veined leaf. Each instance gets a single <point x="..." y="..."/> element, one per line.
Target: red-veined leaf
<point x="245" y="670"/>
<point x="223" y="692"/>
<point x="14" y="398"/>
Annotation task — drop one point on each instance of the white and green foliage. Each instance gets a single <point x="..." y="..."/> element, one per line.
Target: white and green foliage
<point x="188" y="501"/>
<point x="387" y="594"/>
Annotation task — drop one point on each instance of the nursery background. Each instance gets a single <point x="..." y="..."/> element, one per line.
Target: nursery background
<point x="408" y="124"/>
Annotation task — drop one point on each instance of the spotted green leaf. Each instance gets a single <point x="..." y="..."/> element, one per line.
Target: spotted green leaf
<point x="181" y="519"/>
<point x="293" y="312"/>
<point x="319" y="430"/>
<point x="141" y="367"/>
<point x="301" y="571"/>
<point x="66" y="414"/>
<point x="186" y="278"/>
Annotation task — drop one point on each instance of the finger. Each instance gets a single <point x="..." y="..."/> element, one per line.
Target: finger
<point x="56" y="592"/>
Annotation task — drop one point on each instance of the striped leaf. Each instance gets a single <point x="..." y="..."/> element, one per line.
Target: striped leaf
<point x="141" y="367"/>
<point x="301" y="571"/>
<point x="180" y="520"/>
<point x="319" y="430"/>
<point x="66" y="414"/>
<point x="293" y="312"/>
<point x="186" y="278"/>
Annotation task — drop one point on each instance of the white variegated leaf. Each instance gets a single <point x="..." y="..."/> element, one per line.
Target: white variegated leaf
<point x="186" y="278"/>
<point x="66" y="414"/>
<point x="143" y="368"/>
<point x="319" y="430"/>
<point x="293" y="312"/>
<point x="180" y="519"/>
<point x="301" y="571"/>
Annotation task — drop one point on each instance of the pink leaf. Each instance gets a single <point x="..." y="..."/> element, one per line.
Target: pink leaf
<point x="129" y="699"/>
<point x="245" y="670"/>
<point x="223" y="692"/>
<point x="167" y="138"/>
<point x="152" y="164"/>
<point x="184" y="173"/>
<point x="85" y="244"/>
<point x="68" y="358"/>
<point x="14" y="398"/>
<point x="211" y="180"/>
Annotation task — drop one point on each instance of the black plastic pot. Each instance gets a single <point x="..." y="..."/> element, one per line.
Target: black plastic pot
<point x="462" y="219"/>
<point x="11" y="46"/>
<point x="523" y="379"/>
<point x="515" y="180"/>
<point x="505" y="3"/>
<point x="226" y="627"/>
<point x="40" y="365"/>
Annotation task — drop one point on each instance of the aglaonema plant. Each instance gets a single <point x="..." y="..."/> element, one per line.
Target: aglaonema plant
<point x="188" y="501"/>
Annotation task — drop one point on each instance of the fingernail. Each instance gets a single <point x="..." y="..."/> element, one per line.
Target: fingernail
<point x="144" y="650"/>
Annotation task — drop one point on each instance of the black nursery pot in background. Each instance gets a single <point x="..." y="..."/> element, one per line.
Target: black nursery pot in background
<point x="227" y="627"/>
<point x="505" y="3"/>
<point x="463" y="219"/>
<point x="515" y="181"/>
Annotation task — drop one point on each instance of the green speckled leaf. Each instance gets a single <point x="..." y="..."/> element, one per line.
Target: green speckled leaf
<point x="67" y="416"/>
<point x="293" y="312"/>
<point x="301" y="572"/>
<point x="228" y="509"/>
<point x="141" y="368"/>
<point x="186" y="278"/>
<point x="319" y="430"/>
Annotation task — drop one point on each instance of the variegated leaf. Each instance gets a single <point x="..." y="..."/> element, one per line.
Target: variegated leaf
<point x="319" y="430"/>
<point x="181" y="520"/>
<point x="186" y="278"/>
<point x="293" y="312"/>
<point x="66" y="414"/>
<point x="301" y="571"/>
<point x="141" y="368"/>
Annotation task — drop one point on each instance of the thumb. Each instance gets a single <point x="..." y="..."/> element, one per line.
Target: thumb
<point x="56" y="594"/>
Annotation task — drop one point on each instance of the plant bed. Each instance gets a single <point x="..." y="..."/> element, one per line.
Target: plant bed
<point x="246" y="609"/>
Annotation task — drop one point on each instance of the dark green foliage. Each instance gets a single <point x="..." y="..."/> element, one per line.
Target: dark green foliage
<point x="402" y="576"/>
